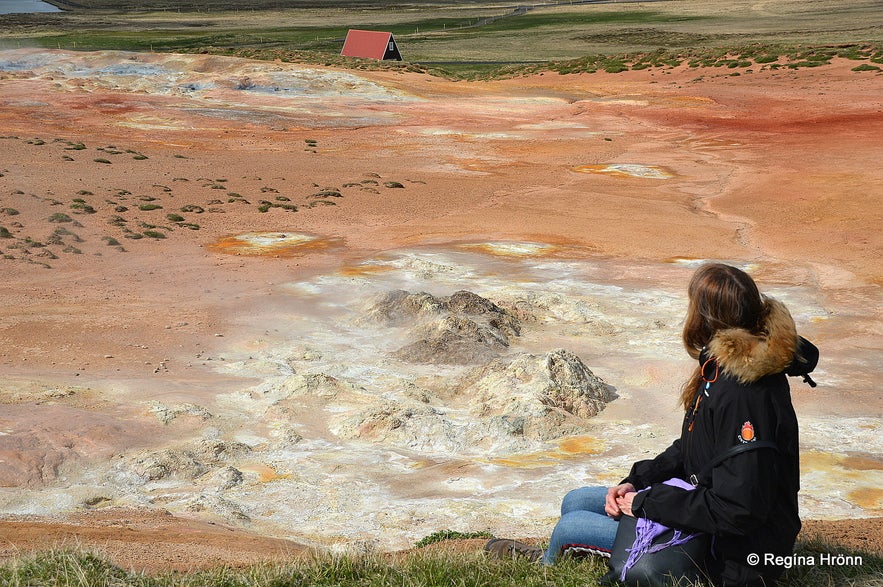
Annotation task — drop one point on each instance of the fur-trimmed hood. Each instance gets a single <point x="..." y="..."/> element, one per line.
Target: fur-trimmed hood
<point x="747" y="356"/>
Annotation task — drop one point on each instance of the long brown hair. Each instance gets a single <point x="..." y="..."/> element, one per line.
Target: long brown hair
<point x="719" y="297"/>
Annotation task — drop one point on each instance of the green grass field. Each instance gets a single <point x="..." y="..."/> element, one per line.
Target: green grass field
<point x="463" y="39"/>
<point x="423" y="569"/>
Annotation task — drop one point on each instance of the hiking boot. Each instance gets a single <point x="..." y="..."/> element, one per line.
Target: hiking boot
<point x="505" y="548"/>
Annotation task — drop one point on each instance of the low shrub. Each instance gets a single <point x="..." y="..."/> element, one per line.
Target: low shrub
<point x="60" y="217"/>
<point x="82" y="208"/>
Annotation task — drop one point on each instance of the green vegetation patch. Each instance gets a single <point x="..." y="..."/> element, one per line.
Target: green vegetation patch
<point x="765" y="55"/>
<point x="443" y="535"/>
<point x="60" y="232"/>
<point x="423" y="568"/>
<point x="82" y="208"/>
<point x="266" y="205"/>
<point x="60" y="217"/>
<point x="452" y="39"/>
<point x="533" y="20"/>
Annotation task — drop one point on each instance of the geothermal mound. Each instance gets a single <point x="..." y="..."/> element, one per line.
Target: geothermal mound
<point x="538" y="397"/>
<point x="460" y="329"/>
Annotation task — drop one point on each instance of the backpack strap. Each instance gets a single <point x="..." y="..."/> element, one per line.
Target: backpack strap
<point x="731" y="452"/>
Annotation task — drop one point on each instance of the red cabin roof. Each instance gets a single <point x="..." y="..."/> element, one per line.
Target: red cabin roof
<point x="370" y="45"/>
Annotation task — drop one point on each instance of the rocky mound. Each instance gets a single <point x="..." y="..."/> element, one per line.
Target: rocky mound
<point x="509" y="402"/>
<point x="538" y="397"/>
<point x="460" y="329"/>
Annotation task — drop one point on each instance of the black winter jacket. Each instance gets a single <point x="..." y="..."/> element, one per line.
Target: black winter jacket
<point x="748" y="501"/>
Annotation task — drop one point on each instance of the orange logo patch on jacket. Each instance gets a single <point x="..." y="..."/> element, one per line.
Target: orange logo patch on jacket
<point x="746" y="434"/>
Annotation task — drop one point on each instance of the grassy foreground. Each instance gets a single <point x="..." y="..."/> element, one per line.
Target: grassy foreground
<point x="423" y="568"/>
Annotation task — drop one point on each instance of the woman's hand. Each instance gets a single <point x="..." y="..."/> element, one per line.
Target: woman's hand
<point x="625" y="503"/>
<point x="614" y="496"/>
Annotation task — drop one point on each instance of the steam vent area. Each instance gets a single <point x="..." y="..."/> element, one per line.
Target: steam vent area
<point x="353" y="308"/>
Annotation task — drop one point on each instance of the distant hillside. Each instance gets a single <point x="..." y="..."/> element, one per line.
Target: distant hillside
<point x="222" y="5"/>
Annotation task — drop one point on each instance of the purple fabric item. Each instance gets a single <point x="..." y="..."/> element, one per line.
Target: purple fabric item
<point x="646" y="532"/>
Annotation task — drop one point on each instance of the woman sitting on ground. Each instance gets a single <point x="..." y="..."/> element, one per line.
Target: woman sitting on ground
<point x="744" y="344"/>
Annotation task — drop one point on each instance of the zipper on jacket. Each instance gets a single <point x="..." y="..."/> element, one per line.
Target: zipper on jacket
<point x="701" y="392"/>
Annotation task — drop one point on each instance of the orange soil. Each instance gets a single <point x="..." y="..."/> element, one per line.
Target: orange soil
<point x="774" y="167"/>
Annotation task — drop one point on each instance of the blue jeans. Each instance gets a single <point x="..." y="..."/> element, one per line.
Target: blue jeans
<point x="583" y="523"/>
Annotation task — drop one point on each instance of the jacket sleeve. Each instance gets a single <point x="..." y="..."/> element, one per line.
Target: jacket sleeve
<point x="739" y="497"/>
<point x="668" y="464"/>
